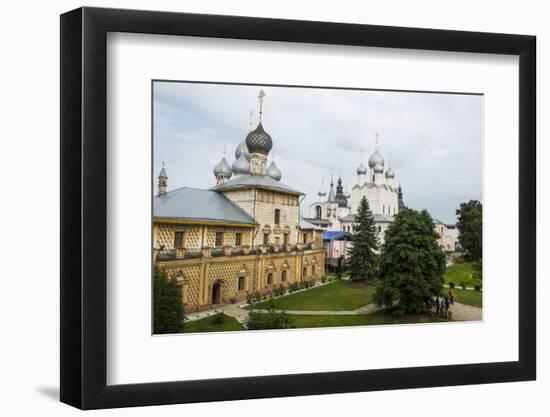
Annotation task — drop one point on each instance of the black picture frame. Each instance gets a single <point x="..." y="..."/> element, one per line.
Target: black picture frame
<point x="84" y="207"/>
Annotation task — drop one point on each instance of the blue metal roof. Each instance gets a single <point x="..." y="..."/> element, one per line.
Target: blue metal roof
<point x="334" y="235"/>
<point x="200" y="205"/>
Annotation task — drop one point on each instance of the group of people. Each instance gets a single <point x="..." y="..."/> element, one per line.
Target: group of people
<point x="442" y="305"/>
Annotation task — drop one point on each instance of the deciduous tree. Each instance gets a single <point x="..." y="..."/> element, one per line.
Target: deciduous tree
<point x="470" y="226"/>
<point x="168" y="313"/>
<point x="412" y="265"/>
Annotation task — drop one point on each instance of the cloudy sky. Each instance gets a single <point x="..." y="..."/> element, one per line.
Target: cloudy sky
<point x="435" y="140"/>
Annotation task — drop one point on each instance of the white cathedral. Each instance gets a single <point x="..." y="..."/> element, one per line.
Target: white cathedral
<point x="335" y="213"/>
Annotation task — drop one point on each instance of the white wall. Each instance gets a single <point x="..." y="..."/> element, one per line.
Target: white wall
<point x="30" y="300"/>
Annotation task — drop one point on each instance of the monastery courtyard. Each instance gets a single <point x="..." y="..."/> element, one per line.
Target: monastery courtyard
<point x="327" y="304"/>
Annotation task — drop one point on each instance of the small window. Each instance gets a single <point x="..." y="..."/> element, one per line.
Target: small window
<point x="277" y="216"/>
<point x="266" y="238"/>
<point x="219" y="238"/>
<point x="318" y="212"/>
<point x="270" y="279"/>
<point x="238" y="239"/>
<point x="305" y="237"/>
<point x="379" y="228"/>
<point x="328" y="212"/>
<point x="304" y="272"/>
<point x="313" y="270"/>
<point x="178" y="239"/>
<point x="286" y="238"/>
<point x="283" y="276"/>
<point x="241" y="283"/>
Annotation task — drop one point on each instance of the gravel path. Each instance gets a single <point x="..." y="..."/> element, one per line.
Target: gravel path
<point x="463" y="312"/>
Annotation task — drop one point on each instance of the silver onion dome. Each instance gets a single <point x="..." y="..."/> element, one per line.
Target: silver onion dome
<point x="223" y="168"/>
<point x="241" y="165"/>
<point x="378" y="168"/>
<point x="273" y="171"/>
<point x="362" y="169"/>
<point x="390" y="173"/>
<point x="376" y="158"/>
<point x="242" y="149"/>
<point x="259" y="141"/>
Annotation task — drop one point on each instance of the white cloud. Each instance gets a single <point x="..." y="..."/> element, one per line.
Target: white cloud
<point x="435" y="140"/>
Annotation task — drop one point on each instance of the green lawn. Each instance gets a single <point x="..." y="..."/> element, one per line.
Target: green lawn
<point x="338" y="295"/>
<point x="462" y="272"/>
<point x="469" y="297"/>
<point x="379" y="317"/>
<point x="216" y="323"/>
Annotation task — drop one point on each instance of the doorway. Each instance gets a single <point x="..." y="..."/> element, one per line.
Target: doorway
<point x="217" y="293"/>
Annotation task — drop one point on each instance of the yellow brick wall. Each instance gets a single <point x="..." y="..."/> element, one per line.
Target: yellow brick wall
<point x="228" y="236"/>
<point x="165" y="236"/>
<point x="197" y="276"/>
<point x="193" y="235"/>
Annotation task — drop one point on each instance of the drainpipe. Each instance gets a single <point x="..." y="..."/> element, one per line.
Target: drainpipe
<point x="254" y="280"/>
<point x="297" y="236"/>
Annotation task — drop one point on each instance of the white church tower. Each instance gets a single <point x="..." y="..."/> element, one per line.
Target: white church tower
<point x="376" y="185"/>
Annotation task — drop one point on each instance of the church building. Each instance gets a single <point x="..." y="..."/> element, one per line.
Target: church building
<point x="242" y="236"/>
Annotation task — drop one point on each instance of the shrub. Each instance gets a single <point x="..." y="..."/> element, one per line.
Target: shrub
<point x="218" y="319"/>
<point x="269" y="320"/>
<point x="339" y="275"/>
<point x="477" y="275"/>
<point x="451" y="284"/>
<point x="463" y="285"/>
<point x="460" y="260"/>
<point x="477" y="287"/>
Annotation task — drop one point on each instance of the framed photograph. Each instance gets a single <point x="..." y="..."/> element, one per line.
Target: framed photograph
<point x="260" y="208"/>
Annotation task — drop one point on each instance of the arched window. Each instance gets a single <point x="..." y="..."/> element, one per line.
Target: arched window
<point x="383" y="209"/>
<point x="318" y="212"/>
<point x="379" y="229"/>
<point x="328" y="212"/>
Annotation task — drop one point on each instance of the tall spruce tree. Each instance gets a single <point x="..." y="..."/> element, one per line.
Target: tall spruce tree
<point x="168" y="313"/>
<point x="411" y="267"/>
<point x="363" y="253"/>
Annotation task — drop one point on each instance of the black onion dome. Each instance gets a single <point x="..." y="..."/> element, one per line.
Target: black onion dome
<point x="340" y="198"/>
<point x="259" y="141"/>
